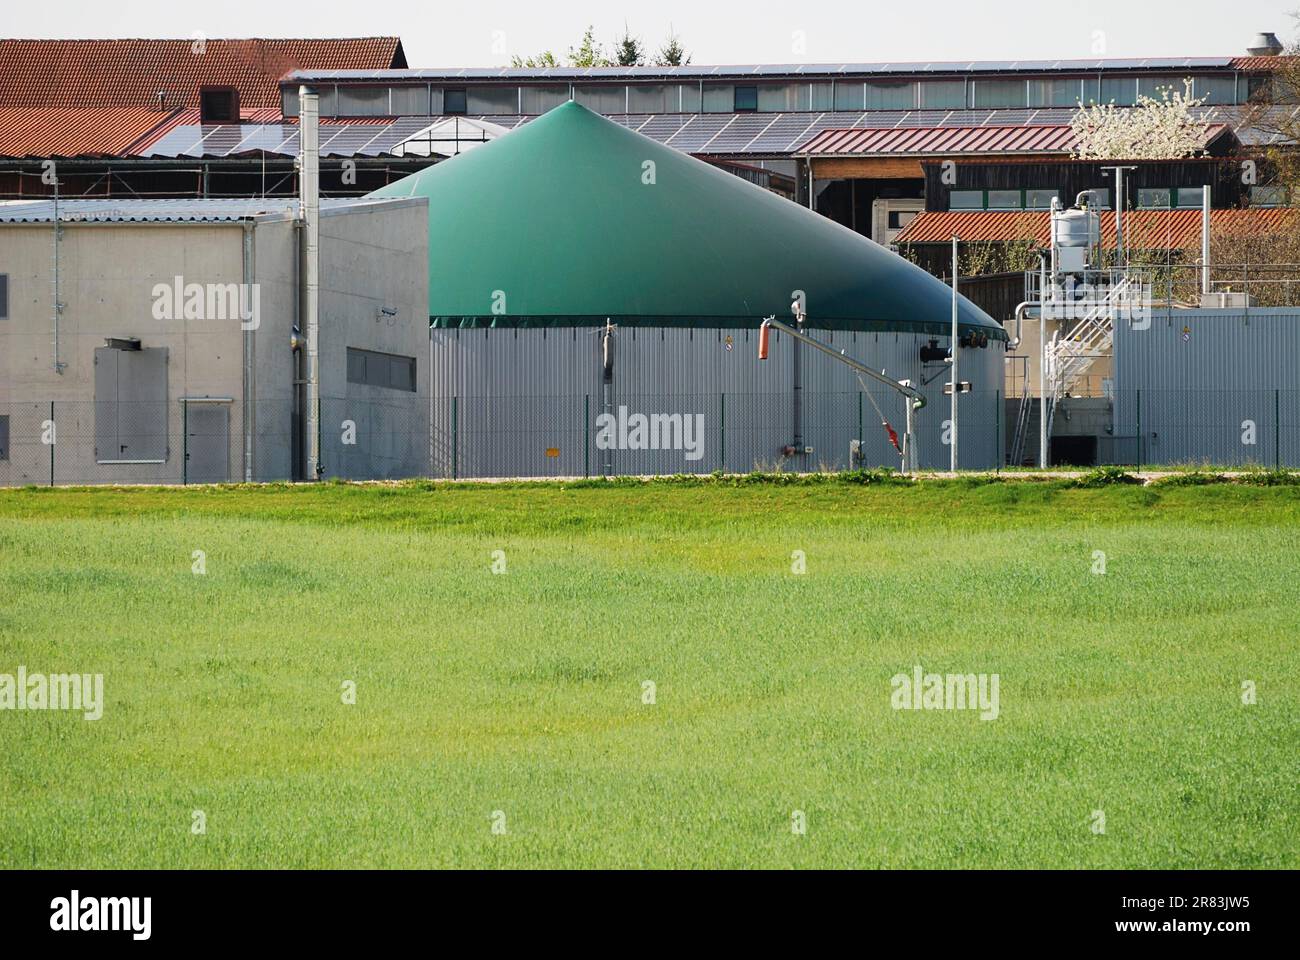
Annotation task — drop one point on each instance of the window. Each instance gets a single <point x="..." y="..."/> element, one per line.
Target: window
<point x="1216" y="90"/>
<point x="381" y="370"/>
<point x="891" y="96"/>
<point x="746" y="99"/>
<point x="499" y="101"/>
<point x="821" y="96"/>
<point x="966" y="200"/>
<point x="409" y="101"/>
<point x="1054" y="93"/>
<point x="537" y="100"/>
<point x="363" y="102"/>
<point x="1099" y="198"/>
<point x="943" y="94"/>
<point x="454" y="101"/>
<point x="218" y="105"/>
<point x="999" y="93"/>
<point x="1122" y="91"/>
<point x="4" y="436"/>
<point x="1039" y="199"/>
<point x="1153" y="198"/>
<point x="4" y="296"/>
<point x="1005" y="200"/>
<point x="1259" y="89"/>
<point x="1267" y="196"/>
<point x="1189" y="197"/>
<point x="130" y="403"/>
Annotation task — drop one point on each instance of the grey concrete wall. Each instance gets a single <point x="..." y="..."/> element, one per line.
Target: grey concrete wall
<point x="107" y="277"/>
<point x="372" y="256"/>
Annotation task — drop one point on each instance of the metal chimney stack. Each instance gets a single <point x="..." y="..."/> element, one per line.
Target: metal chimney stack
<point x="309" y="212"/>
<point x="1265" y="45"/>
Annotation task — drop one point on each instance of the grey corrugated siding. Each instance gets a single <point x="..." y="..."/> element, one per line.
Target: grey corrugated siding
<point x="1188" y="401"/>
<point x="519" y="393"/>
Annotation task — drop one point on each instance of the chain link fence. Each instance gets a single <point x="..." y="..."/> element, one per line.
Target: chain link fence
<point x="206" y="440"/>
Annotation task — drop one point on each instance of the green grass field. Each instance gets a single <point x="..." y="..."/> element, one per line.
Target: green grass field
<point x="522" y="692"/>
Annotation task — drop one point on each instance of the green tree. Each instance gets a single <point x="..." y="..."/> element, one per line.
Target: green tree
<point x="628" y="52"/>
<point x="672" y="53"/>
<point x="589" y="53"/>
<point x="543" y="59"/>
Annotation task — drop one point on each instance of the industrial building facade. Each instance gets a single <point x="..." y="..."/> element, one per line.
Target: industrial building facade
<point x="159" y="341"/>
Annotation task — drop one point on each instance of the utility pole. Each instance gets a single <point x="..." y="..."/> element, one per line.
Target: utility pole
<point x="1120" y="256"/>
<point x="953" y="357"/>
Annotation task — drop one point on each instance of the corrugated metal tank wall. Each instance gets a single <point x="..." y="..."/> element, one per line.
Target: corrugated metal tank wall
<point x="526" y="402"/>
<point x="1194" y="386"/>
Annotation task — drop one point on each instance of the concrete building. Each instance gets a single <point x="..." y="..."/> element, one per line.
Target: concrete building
<point x="157" y="341"/>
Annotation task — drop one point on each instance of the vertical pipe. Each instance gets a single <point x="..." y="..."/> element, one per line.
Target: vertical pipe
<point x="54" y="439"/>
<point x="1205" y="239"/>
<point x="722" y="432"/>
<point x="586" y="435"/>
<point x="247" y="300"/>
<point x="953" y="452"/>
<point x="185" y="442"/>
<point x="1119" y="217"/>
<point x="455" y="437"/>
<point x="999" y="449"/>
<point x="1277" y="429"/>
<point x="1042" y="361"/>
<point x="309" y="212"/>
<point x="1141" y="438"/>
<point x="57" y="308"/>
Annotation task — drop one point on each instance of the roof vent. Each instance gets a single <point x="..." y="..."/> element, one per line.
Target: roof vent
<point x="1265" y="45"/>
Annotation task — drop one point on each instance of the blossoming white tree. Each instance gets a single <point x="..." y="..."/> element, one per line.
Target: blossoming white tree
<point x="1158" y="128"/>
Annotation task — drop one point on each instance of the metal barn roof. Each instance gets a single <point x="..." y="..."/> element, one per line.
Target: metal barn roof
<point x="760" y="71"/>
<point x="574" y="218"/>
<point x="129" y="210"/>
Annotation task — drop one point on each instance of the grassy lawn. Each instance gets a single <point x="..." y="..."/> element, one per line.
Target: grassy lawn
<point x="522" y="692"/>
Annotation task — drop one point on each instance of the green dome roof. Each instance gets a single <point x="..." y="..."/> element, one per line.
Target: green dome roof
<point x="572" y="218"/>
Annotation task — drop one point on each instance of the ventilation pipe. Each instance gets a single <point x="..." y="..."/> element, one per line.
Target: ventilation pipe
<point x="1265" y="45"/>
<point x="57" y="304"/>
<point x="248" y="320"/>
<point x="309" y="212"/>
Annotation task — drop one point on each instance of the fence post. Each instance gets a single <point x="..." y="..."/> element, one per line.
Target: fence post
<point x="722" y="432"/>
<point x="185" y="443"/>
<point x="54" y="439"/>
<point x="455" y="438"/>
<point x="999" y="450"/>
<point x="586" y="435"/>
<point x="1277" y="429"/>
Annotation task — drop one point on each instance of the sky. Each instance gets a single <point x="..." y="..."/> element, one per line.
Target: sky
<point x="438" y="33"/>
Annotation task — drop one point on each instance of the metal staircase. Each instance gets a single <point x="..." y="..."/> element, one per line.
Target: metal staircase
<point x="1073" y="351"/>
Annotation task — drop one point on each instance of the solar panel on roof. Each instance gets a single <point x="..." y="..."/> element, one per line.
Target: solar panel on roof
<point x="699" y="132"/>
<point x="736" y="135"/>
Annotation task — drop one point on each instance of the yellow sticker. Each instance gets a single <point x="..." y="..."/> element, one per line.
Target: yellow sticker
<point x="552" y="451"/>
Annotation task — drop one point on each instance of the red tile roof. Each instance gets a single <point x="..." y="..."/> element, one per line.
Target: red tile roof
<point x="1154" y="229"/>
<point x="1260" y="63"/>
<point x="76" y="131"/>
<point x="130" y="73"/>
